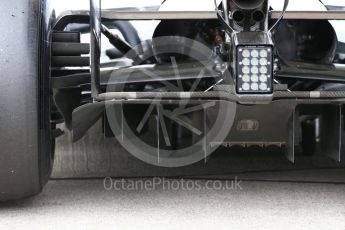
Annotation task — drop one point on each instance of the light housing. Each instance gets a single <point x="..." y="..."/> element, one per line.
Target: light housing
<point x="253" y="63"/>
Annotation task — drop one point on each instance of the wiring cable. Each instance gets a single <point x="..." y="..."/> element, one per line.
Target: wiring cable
<point x="286" y="4"/>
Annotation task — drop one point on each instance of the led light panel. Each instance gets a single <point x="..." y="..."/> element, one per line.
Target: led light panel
<point x="254" y="69"/>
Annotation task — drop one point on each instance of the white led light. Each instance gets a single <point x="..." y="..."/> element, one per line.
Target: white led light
<point x="245" y="78"/>
<point x="263" y="78"/>
<point x="263" y="61"/>
<point x="246" y="53"/>
<point x="263" y="70"/>
<point x="245" y="86"/>
<point x="263" y="53"/>
<point x="255" y="78"/>
<point x="255" y="61"/>
<point x="255" y="86"/>
<point x="246" y="70"/>
<point x="263" y="86"/>
<point x="255" y="53"/>
<point x="246" y="61"/>
<point x="254" y="70"/>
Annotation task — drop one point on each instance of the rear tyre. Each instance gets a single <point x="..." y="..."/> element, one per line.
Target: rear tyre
<point x="25" y="142"/>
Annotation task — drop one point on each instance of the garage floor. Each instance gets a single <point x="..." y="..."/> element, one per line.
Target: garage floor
<point x="274" y="194"/>
<point x="85" y="204"/>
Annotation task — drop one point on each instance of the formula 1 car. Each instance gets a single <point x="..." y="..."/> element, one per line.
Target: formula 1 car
<point x="223" y="73"/>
